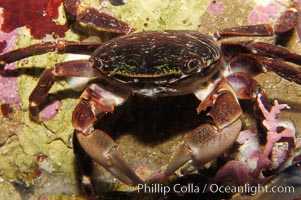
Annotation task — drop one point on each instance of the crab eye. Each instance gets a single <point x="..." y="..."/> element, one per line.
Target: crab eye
<point x="99" y="64"/>
<point x="191" y="65"/>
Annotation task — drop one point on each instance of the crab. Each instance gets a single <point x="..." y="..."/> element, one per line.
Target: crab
<point x="161" y="64"/>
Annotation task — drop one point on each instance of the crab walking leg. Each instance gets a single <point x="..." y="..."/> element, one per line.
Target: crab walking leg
<point x="259" y="49"/>
<point x="287" y="21"/>
<point x="245" y="86"/>
<point x="251" y="30"/>
<point x="264" y="57"/>
<point x="59" y="47"/>
<point x="95" y="18"/>
<point x="281" y="69"/>
<point x="81" y="68"/>
<point x="209" y="141"/>
<point x="96" y="101"/>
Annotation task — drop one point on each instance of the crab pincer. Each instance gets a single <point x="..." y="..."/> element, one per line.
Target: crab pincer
<point x="104" y="150"/>
<point x="208" y="141"/>
<point x="96" y="143"/>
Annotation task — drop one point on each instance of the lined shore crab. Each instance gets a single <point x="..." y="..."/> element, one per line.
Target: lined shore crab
<point x="161" y="63"/>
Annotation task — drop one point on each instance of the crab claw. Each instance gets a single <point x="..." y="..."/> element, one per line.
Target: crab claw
<point x="209" y="141"/>
<point x="102" y="148"/>
<point x="202" y="145"/>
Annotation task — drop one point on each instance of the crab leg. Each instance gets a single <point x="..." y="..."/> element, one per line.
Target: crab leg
<point x="261" y="49"/>
<point x="42" y="48"/>
<point x="95" y="18"/>
<point x="287" y="21"/>
<point x="199" y="144"/>
<point x="244" y="85"/>
<point x="254" y="64"/>
<point x="252" y="30"/>
<point x="280" y="68"/>
<point x="97" y="101"/>
<point x="80" y="68"/>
